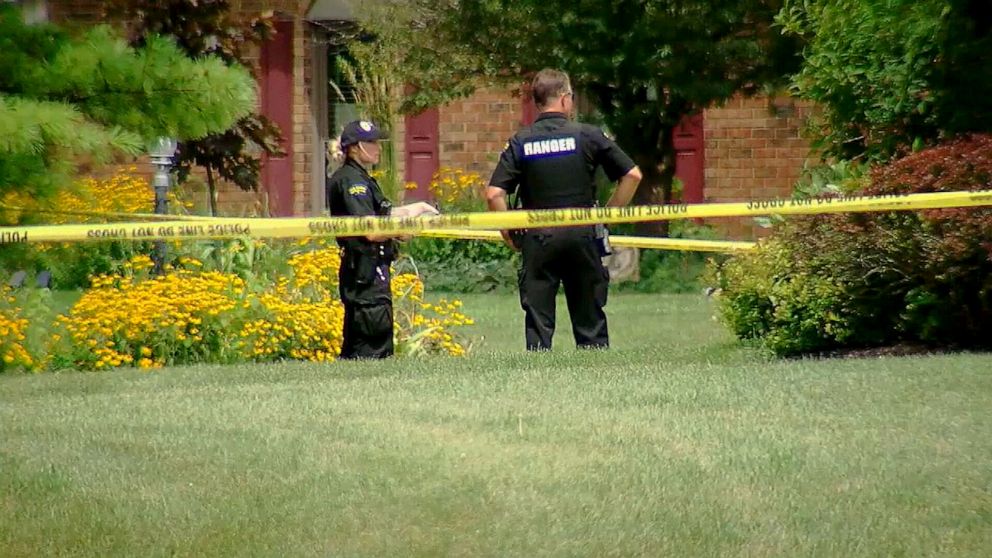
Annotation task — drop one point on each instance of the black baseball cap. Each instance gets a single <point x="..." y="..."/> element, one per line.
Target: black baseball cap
<point x="361" y="130"/>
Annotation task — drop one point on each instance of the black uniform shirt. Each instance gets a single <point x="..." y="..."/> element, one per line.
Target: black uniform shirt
<point x="351" y="191"/>
<point x="554" y="163"/>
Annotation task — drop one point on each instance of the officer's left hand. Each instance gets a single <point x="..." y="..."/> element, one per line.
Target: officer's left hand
<point x="508" y="239"/>
<point x="424" y="208"/>
<point x="414" y="210"/>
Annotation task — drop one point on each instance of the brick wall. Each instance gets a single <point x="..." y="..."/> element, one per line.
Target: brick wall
<point x="754" y="150"/>
<point x="302" y="130"/>
<point x="473" y="131"/>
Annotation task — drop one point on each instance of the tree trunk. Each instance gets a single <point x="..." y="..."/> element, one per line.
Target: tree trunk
<point x="657" y="164"/>
<point x="211" y="192"/>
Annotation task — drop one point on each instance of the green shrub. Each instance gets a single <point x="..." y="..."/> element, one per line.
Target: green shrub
<point x="463" y="266"/>
<point x="864" y="280"/>
<point x="785" y="302"/>
<point x="666" y="271"/>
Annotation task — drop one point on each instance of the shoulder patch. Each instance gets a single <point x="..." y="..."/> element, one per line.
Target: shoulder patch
<point x="358" y="190"/>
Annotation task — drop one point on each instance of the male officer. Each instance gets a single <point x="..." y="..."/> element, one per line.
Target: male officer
<point x="364" y="273"/>
<point x="551" y="165"/>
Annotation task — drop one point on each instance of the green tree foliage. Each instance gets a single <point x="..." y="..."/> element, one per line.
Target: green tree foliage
<point x="399" y="61"/>
<point x="644" y="64"/>
<point x="414" y="44"/>
<point x="202" y="28"/>
<point x="890" y="74"/>
<point x="65" y="98"/>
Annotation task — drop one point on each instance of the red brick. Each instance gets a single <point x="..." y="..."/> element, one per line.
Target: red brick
<point x="740" y="173"/>
<point x="784" y="133"/>
<point x="764" y="172"/>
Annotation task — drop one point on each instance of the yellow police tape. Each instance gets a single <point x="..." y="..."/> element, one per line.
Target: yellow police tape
<point x="645" y="242"/>
<point x="620" y="241"/>
<point x="361" y="226"/>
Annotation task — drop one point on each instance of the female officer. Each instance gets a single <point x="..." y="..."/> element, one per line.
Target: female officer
<point x="364" y="274"/>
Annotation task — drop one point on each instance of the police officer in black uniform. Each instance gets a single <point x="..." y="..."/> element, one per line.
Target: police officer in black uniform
<point x="551" y="165"/>
<point x="364" y="274"/>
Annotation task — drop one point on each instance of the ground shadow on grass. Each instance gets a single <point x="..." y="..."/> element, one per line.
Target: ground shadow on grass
<point x="895" y="350"/>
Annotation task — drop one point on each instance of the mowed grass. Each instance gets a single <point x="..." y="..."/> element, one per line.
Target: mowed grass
<point x="677" y="442"/>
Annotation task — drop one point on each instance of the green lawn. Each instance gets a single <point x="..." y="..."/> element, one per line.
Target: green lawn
<point x="677" y="442"/>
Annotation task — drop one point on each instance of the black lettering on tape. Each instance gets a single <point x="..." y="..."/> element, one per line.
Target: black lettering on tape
<point x="408" y="223"/>
<point x="445" y="221"/>
<point x="228" y="229"/>
<point x="106" y="233"/>
<point x="851" y="198"/>
<point x="13" y="237"/>
<point x="766" y="204"/>
<point x="189" y="230"/>
<point x="580" y="213"/>
<point x="327" y="227"/>
<point x="364" y="226"/>
<point x="545" y="216"/>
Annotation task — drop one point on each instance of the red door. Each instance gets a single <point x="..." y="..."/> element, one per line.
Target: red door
<point x="277" y="104"/>
<point x="689" y="157"/>
<point x="422" y="159"/>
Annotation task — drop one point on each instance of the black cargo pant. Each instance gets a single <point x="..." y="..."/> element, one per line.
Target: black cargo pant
<point x="368" y="306"/>
<point x="568" y="256"/>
